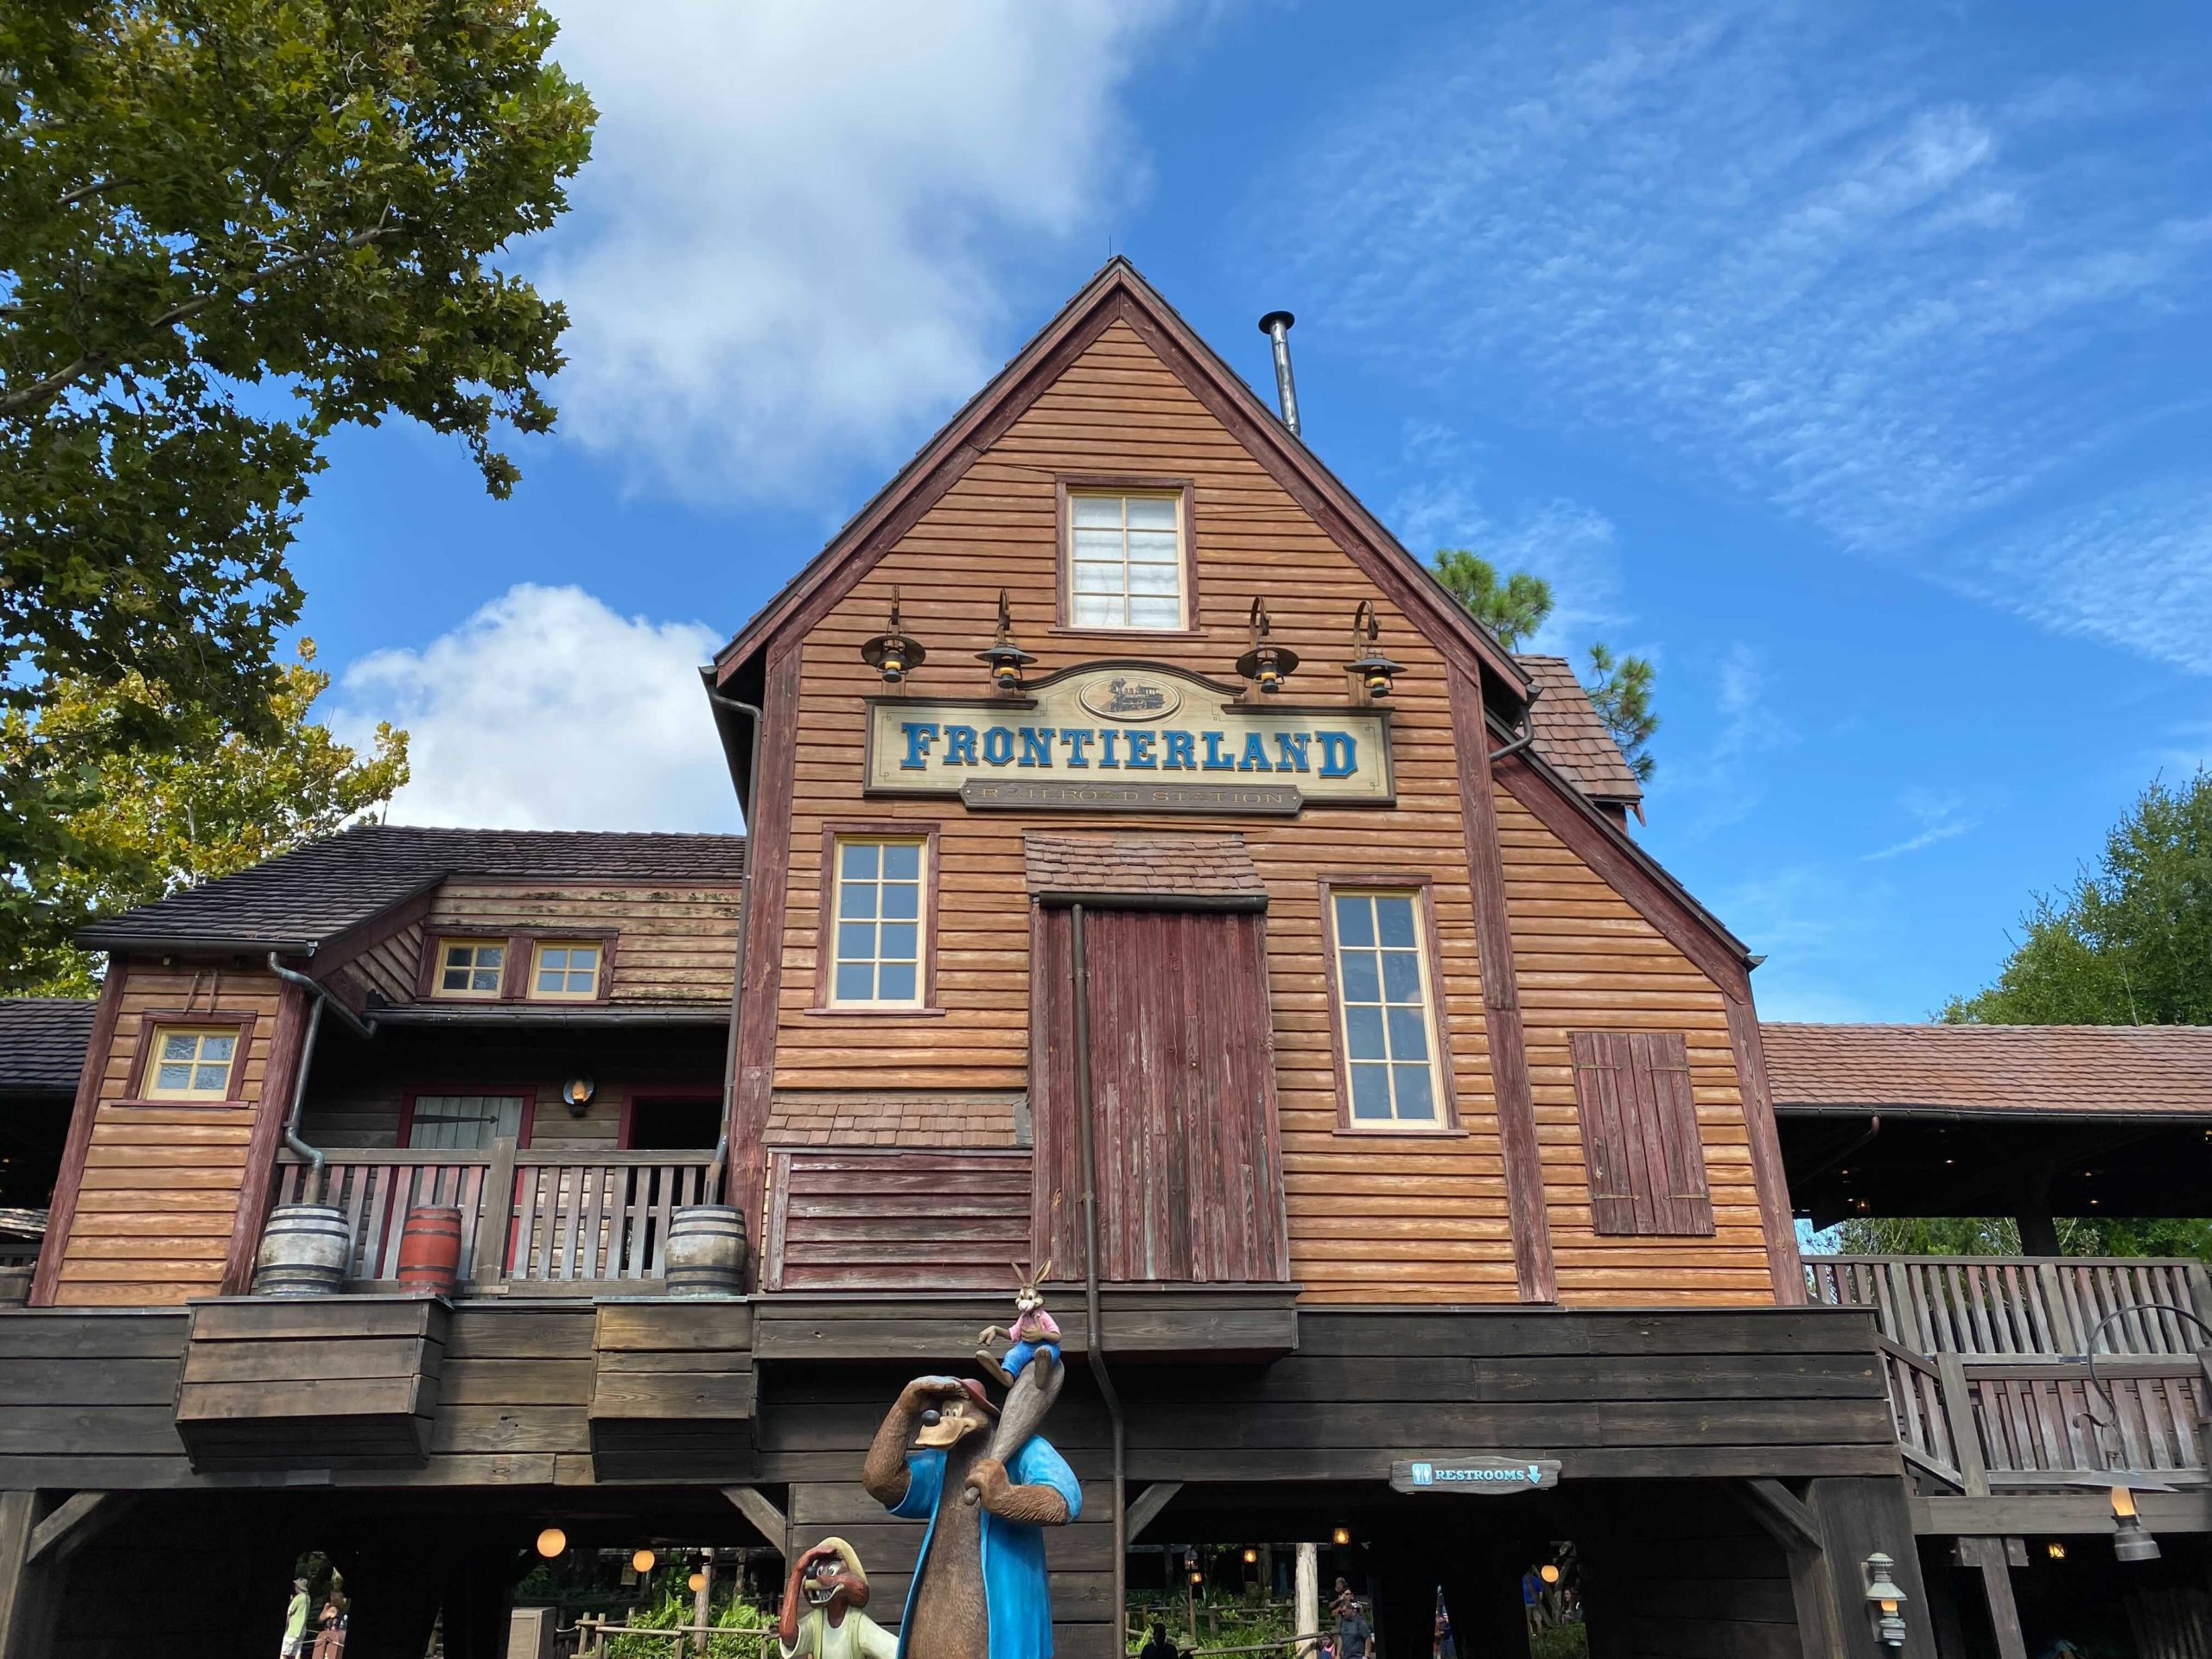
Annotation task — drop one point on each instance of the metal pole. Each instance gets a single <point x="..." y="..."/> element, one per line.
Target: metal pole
<point x="1080" y="964"/>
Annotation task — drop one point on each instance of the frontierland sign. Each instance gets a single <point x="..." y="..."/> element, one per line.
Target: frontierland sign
<point x="1130" y="737"/>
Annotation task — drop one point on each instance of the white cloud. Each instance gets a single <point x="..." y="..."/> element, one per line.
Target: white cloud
<point x="1940" y="817"/>
<point x="1793" y="251"/>
<point x="780" y="254"/>
<point x="546" y="710"/>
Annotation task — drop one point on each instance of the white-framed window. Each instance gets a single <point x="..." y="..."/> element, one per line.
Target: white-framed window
<point x="566" y="970"/>
<point x="1386" y="1008"/>
<point x="192" y="1062"/>
<point x="470" y="967"/>
<point x="1125" y="561"/>
<point x="878" y="917"/>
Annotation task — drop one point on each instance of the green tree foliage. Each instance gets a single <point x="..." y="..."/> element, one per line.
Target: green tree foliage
<point x="2131" y="942"/>
<point x="1514" y="608"/>
<point x="227" y="227"/>
<point x="2000" y="1235"/>
<point x="140" y="821"/>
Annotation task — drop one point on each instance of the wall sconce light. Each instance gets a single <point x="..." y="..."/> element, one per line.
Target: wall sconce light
<point x="576" y="1094"/>
<point x="2055" y="1550"/>
<point x="891" y="653"/>
<point x="1197" y="1577"/>
<point x="2130" y="1540"/>
<point x="551" y="1542"/>
<point x="1375" y="670"/>
<point x="643" y="1561"/>
<point x="1005" y="659"/>
<point x="1266" y="666"/>
<point x="1341" y="1537"/>
<point x="1884" y="1599"/>
<point x="1251" y="1557"/>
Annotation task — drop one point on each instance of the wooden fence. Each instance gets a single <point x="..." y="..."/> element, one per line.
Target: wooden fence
<point x="557" y="1219"/>
<point x="2019" y="1306"/>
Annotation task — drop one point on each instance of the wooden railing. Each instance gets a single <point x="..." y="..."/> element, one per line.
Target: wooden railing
<point x="1984" y="1360"/>
<point x="555" y="1220"/>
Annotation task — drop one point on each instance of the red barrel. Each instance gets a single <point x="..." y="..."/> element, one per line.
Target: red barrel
<point x="429" y="1251"/>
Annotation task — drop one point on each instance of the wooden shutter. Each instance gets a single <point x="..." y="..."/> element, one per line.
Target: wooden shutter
<point x="1639" y="1133"/>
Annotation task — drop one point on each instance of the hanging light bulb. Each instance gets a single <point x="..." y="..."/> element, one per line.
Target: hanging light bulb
<point x="643" y="1561"/>
<point x="697" y="1582"/>
<point x="551" y="1542"/>
<point x="1005" y="659"/>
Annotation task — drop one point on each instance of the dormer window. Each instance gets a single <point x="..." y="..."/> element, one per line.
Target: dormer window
<point x="1125" y="561"/>
<point x="470" y="967"/>
<point x="565" y="970"/>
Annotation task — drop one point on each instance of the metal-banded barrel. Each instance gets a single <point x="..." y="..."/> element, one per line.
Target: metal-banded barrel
<point x="706" y="1250"/>
<point x="429" y="1251"/>
<point x="304" y="1251"/>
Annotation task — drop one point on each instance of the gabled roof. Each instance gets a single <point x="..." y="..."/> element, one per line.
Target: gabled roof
<point x="1573" y="738"/>
<point x="2087" y="1071"/>
<point x="1116" y="290"/>
<point x="299" y="901"/>
<point x="42" y="1043"/>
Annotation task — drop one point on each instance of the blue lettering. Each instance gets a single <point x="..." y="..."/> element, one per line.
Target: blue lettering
<point x="1106" y="739"/>
<point x="1255" y="755"/>
<point x="1340" y="753"/>
<point x="1141" y="752"/>
<point x="1181" y="756"/>
<point x="1078" y="738"/>
<point x="960" y="746"/>
<point x="1293" y="747"/>
<point x="998" y="746"/>
<point x="1036" y="746"/>
<point x="1216" y="760"/>
<point x="918" y="733"/>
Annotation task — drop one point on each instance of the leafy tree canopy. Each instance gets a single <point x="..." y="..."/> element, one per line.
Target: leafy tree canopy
<point x="1516" y="607"/>
<point x="205" y="205"/>
<point x="137" y="822"/>
<point x="2000" y="1235"/>
<point x="2130" y="942"/>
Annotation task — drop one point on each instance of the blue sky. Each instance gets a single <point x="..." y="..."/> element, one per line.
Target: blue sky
<point x="1854" y="363"/>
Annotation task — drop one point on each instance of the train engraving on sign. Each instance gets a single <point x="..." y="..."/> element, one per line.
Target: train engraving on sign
<point x="1131" y="737"/>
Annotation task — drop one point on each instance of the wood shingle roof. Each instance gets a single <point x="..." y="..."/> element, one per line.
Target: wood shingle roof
<point x="42" y="1041"/>
<point x="2093" y="1070"/>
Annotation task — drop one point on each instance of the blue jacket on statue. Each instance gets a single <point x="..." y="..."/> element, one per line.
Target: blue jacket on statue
<point x="1016" y="1595"/>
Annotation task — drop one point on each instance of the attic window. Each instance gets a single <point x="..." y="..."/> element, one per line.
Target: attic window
<point x="565" y="969"/>
<point x="471" y="967"/>
<point x="1125" y="561"/>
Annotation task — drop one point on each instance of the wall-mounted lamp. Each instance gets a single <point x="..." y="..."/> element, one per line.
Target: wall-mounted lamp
<point x="1375" y="670"/>
<point x="1005" y="659"/>
<point x="1266" y="665"/>
<point x="576" y="1094"/>
<point x="1251" y="1557"/>
<point x="551" y="1542"/>
<point x="2055" y="1550"/>
<point x="891" y="653"/>
<point x="1341" y="1537"/>
<point x="2130" y="1540"/>
<point x="643" y="1561"/>
<point x="1884" y="1600"/>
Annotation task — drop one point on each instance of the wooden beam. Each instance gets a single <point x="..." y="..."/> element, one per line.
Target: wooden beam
<point x="1783" y="1515"/>
<point x="755" y="1506"/>
<point x="75" y="1522"/>
<point x="1792" y="1524"/>
<point x="1988" y="1555"/>
<point x="1146" y="1506"/>
<point x="26" y="1606"/>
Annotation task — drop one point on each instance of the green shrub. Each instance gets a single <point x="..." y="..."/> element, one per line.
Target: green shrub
<point x="673" y="1610"/>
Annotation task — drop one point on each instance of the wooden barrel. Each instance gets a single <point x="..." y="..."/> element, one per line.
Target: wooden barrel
<point x="706" y="1250"/>
<point x="429" y="1251"/>
<point x="304" y="1251"/>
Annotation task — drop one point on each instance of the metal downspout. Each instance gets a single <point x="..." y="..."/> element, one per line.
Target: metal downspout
<point x="367" y="1027"/>
<point x="1097" y="1324"/>
<point x="719" y="1167"/>
<point x="1527" y="727"/>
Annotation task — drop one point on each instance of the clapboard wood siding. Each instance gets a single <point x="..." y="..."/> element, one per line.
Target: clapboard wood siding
<point x="158" y="1199"/>
<point x="1361" y="1210"/>
<point x="386" y="971"/>
<point x="673" y="945"/>
<point x="1586" y="959"/>
<point x="927" y="1220"/>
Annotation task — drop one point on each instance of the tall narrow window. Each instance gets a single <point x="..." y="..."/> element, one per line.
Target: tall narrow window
<point x="470" y="967"/>
<point x="1640" y="1142"/>
<point x="1386" y="1008"/>
<point x="192" y="1063"/>
<point x="878" y="928"/>
<point x="1125" y="561"/>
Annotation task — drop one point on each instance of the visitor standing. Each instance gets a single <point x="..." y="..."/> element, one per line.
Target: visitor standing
<point x="295" y="1621"/>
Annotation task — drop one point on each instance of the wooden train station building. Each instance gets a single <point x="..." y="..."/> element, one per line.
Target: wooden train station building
<point x="1152" y="872"/>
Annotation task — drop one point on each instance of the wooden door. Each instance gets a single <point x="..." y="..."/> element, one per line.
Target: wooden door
<point x="1183" y="1097"/>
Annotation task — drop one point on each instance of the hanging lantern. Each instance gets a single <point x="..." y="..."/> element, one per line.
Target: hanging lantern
<point x="1264" y="665"/>
<point x="1005" y="659"/>
<point x="551" y="1542"/>
<point x="1375" y="671"/>
<point x="891" y="653"/>
<point x="697" y="1582"/>
<point x="643" y="1561"/>
<point x="1341" y="1537"/>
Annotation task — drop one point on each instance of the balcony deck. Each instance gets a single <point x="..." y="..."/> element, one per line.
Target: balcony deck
<point x="1989" y="1387"/>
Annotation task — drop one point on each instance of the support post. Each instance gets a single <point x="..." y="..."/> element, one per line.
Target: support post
<point x="1988" y="1555"/>
<point x="1306" y="1603"/>
<point x="27" y="1608"/>
<point x="1859" y="1516"/>
<point x="702" y="1598"/>
<point x="1794" y="1525"/>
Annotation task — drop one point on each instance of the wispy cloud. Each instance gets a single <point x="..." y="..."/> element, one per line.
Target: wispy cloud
<point x="1940" y="817"/>
<point x="789" y="248"/>
<point x="1792" y="253"/>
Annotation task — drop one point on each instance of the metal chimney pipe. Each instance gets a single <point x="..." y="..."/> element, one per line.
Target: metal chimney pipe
<point x="1276" y="327"/>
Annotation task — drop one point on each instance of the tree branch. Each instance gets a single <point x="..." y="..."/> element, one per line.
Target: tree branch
<point x="40" y="390"/>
